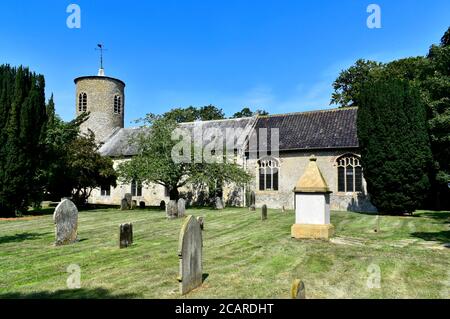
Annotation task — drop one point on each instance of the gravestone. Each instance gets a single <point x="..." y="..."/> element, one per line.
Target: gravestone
<point x="201" y="221"/>
<point x="128" y="197"/>
<point x="172" y="209"/>
<point x="65" y="218"/>
<point x="181" y="207"/>
<point x="283" y="209"/>
<point x="133" y="204"/>
<point x="142" y="205"/>
<point x="298" y="289"/>
<point x="190" y="249"/>
<point x="252" y="201"/>
<point x="264" y="212"/>
<point x="218" y="203"/>
<point x="162" y="205"/>
<point x="124" y="204"/>
<point x="126" y="235"/>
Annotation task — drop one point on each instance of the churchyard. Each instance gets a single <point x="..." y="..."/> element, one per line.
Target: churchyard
<point x="244" y="256"/>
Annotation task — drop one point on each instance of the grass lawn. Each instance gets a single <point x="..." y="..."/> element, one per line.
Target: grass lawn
<point x="244" y="257"/>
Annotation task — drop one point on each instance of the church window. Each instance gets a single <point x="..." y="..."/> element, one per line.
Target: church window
<point x="82" y="102"/>
<point x="117" y="104"/>
<point x="269" y="171"/>
<point x="136" y="188"/>
<point x="349" y="174"/>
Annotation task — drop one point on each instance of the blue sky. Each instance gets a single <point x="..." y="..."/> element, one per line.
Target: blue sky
<point x="278" y="55"/>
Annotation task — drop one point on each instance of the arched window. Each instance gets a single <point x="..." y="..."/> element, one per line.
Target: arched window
<point x="117" y="104"/>
<point x="269" y="171"/>
<point x="349" y="174"/>
<point x="82" y="102"/>
<point x="136" y="188"/>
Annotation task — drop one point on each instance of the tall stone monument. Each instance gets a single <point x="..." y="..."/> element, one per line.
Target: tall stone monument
<point x="312" y="205"/>
<point x="65" y="218"/>
<point x="190" y="250"/>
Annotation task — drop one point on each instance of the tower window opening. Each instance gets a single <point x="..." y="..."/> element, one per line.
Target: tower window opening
<point x="117" y="104"/>
<point x="82" y="102"/>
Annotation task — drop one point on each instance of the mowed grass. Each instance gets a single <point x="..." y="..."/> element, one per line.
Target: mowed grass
<point x="244" y="257"/>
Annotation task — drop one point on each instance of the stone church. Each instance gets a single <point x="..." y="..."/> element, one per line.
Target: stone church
<point x="329" y="135"/>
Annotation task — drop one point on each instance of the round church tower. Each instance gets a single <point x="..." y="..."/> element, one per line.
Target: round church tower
<point x="104" y="98"/>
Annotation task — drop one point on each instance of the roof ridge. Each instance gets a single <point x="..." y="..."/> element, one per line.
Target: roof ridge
<point x="221" y="120"/>
<point x="313" y="111"/>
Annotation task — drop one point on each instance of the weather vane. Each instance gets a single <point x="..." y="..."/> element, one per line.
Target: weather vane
<point x="101" y="48"/>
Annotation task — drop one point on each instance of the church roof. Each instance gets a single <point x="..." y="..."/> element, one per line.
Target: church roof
<point x="118" y="144"/>
<point x="326" y="129"/>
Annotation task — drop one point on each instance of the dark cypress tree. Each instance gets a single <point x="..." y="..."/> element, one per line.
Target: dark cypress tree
<point x="22" y="125"/>
<point x="395" y="146"/>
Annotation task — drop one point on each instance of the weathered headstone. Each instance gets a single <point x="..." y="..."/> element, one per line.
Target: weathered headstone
<point x="133" y="204"/>
<point x="201" y="221"/>
<point x="190" y="249"/>
<point x="218" y="203"/>
<point x="142" y="205"/>
<point x="283" y="209"/>
<point x="129" y="198"/>
<point x="65" y="218"/>
<point x="162" y="205"/>
<point x="298" y="289"/>
<point x="126" y="235"/>
<point x="172" y="209"/>
<point x="124" y="204"/>
<point x="181" y="207"/>
<point x="264" y="212"/>
<point x="252" y="201"/>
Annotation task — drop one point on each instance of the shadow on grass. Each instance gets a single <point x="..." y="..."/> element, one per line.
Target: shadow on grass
<point x="96" y="293"/>
<point x="444" y="216"/>
<point x="442" y="236"/>
<point x="21" y="237"/>
<point x="40" y="212"/>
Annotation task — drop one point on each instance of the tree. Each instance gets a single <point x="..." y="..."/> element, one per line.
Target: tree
<point x="210" y="112"/>
<point x="87" y="169"/>
<point x="431" y="74"/>
<point x="73" y="166"/>
<point x="191" y="114"/>
<point x="445" y="40"/>
<point x="58" y="154"/>
<point x="22" y="130"/>
<point x="395" y="147"/>
<point x="347" y="86"/>
<point x="154" y="162"/>
<point x="246" y="112"/>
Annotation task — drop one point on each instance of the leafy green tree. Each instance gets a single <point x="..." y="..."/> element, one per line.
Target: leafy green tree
<point x="58" y="154"/>
<point x="445" y="40"/>
<point x="191" y="114"/>
<point x="395" y="147"/>
<point x="154" y="162"/>
<point x="347" y="86"/>
<point x="246" y="112"/>
<point x="87" y="169"/>
<point x="22" y="129"/>
<point x="210" y="112"/>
